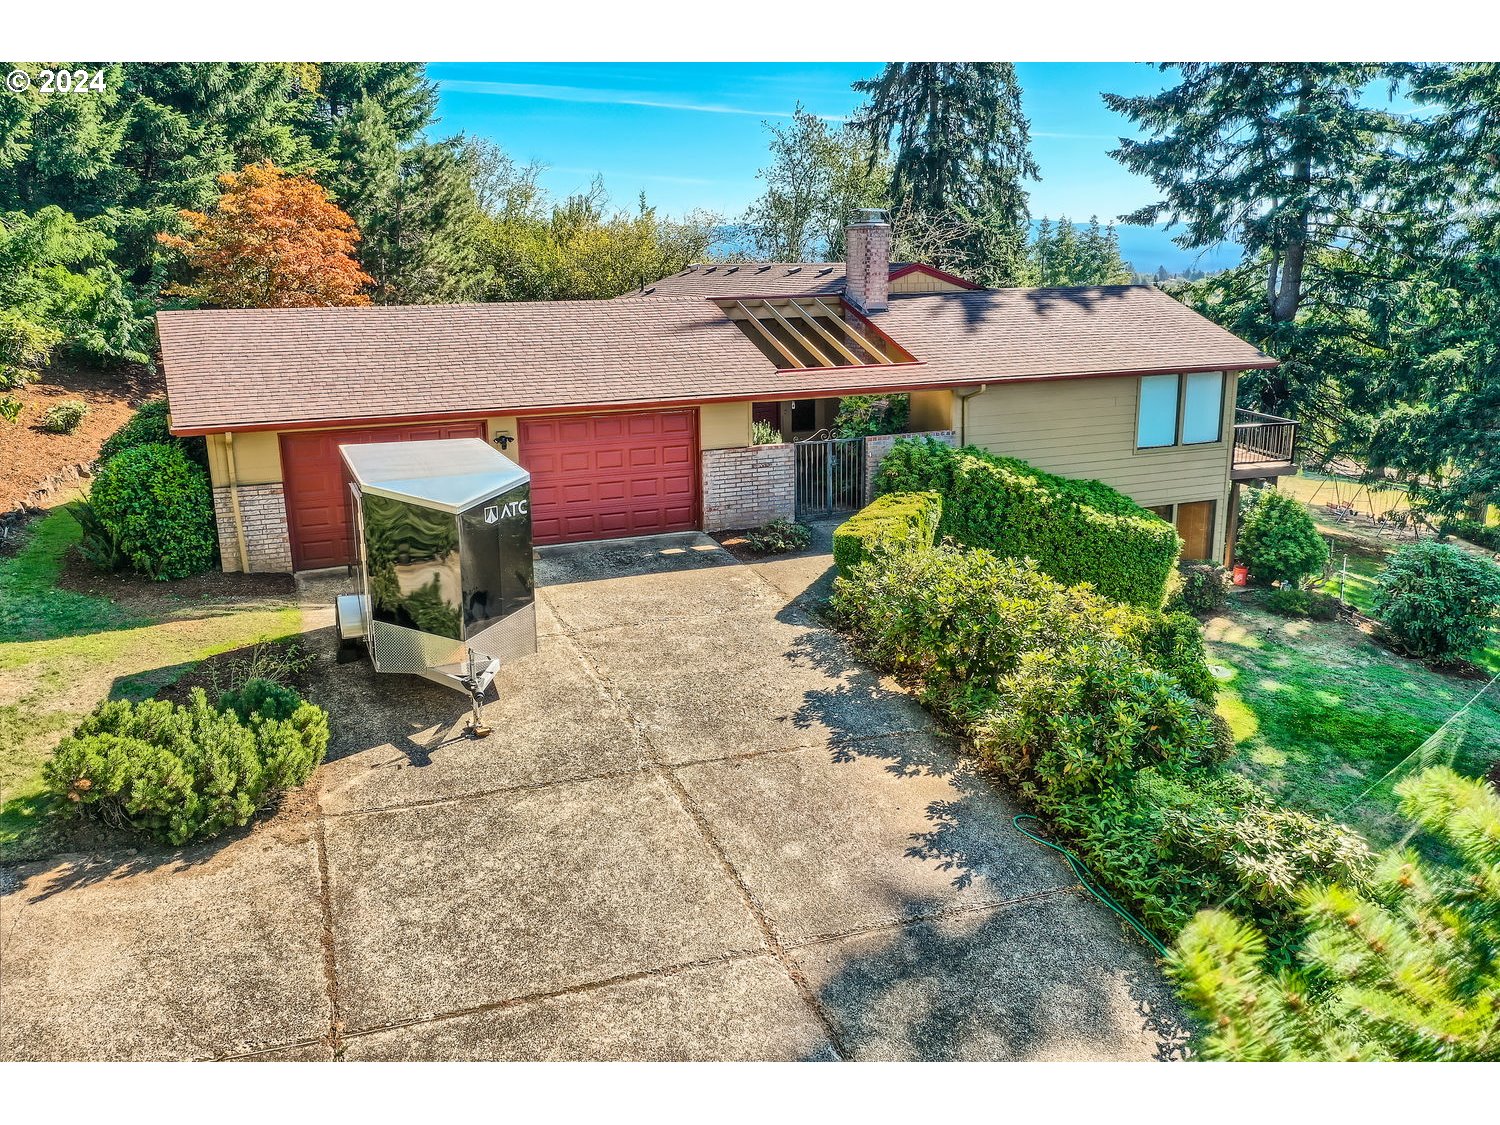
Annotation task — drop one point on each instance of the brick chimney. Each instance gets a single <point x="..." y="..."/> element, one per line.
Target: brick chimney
<point x="867" y="251"/>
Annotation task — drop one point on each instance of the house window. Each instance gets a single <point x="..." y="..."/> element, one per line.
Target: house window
<point x="1202" y="407"/>
<point x="1180" y="410"/>
<point x="1156" y="423"/>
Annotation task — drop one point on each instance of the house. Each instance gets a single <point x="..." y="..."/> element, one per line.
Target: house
<point x="634" y="415"/>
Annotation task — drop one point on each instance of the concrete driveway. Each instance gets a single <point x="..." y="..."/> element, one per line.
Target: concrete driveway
<point x="701" y="831"/>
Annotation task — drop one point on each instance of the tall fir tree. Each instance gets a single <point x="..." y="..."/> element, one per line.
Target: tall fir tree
<point x="1429" y="414"/>
<point x="961" y="149"/>
<point x="1064" y="255"/>
<point x="1284" y="159"/>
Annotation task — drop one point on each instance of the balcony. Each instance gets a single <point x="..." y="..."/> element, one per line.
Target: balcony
<point x="1264" y="446"/>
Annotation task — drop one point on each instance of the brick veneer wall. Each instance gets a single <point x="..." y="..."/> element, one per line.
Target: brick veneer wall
<point x="263" y="513"/>
<point x="748" y="486"/>
<point x="878" y="446"/>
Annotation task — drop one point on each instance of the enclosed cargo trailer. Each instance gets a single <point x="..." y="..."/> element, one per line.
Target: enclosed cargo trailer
<point x="445" y="585"/>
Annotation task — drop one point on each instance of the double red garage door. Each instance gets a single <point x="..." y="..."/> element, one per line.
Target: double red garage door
<point x="597" y="476"/>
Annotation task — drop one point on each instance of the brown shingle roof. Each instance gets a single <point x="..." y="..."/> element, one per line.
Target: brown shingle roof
<point x="246" y="368"/>
<point x="994" y="334"/>
<point x="750" y="279"/>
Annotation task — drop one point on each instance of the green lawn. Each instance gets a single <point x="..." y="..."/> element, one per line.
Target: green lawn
<point x="1322" y="713"/>
<point x="65" y="651"/>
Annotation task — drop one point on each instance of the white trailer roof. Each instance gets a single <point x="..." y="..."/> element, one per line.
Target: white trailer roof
<point x="451" y="474"/>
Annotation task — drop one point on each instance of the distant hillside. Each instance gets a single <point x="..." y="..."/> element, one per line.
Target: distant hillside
<point x="1145" y="248"/>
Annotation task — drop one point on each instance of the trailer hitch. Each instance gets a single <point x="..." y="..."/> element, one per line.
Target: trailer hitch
<point x="476" y="680"/>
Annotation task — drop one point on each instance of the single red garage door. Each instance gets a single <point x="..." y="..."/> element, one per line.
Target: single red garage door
<point x="604" y="476"/>
<point x="317" y="501"/>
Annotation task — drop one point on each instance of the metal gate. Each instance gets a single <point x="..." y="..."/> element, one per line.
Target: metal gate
<point x="830" y="476"/>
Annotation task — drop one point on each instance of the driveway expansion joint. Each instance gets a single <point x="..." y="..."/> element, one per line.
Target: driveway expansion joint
<point x="328" y="942"/>
<point x="768" y="934"/>
<point x="733" y="956"/>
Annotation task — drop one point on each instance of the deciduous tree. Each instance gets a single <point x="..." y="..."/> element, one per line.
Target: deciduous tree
<point x="818" y="176"/>
<point x="272" y="240"/>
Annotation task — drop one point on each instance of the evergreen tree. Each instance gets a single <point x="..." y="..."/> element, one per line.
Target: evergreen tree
<point x="961" y="149"/>
<point x="1063" y="255"/>
<point x="1404" y="969"/>
<point x="1429" y="413"/>
<point x="1285" y="159"/>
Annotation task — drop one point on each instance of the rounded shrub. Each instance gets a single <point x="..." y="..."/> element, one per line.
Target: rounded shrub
<point x="65" y="417"/>
<point x="156" y="506"/>
<point x="1279" y="541"/>
<point x="1202" y="590"/>
<point x="1436" y="601"/>
<point x="180" y="773"/>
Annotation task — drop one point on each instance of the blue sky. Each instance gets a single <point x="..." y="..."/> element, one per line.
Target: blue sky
<point x="691" y="134"/>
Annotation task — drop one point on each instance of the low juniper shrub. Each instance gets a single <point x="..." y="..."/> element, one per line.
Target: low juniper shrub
<point x="180" y="773"/>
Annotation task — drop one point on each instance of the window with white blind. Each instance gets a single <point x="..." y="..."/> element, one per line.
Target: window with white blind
<point x="1156" y="420"/>
<point x="1202" y="407"/>
<point x="1180" y="410"/>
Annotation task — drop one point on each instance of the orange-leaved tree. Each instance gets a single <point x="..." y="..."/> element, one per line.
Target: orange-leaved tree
<point x="273" y="240"/>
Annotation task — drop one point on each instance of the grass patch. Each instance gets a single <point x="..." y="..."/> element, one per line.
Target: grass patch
<point x="31" y="605"/>
<point x="64" y="651"/>
<point x="1321" y="714"/>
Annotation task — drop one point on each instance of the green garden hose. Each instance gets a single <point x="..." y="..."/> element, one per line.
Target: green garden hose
<point x="1088" y="884"/>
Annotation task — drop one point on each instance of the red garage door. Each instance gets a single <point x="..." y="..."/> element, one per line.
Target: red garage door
<point x="604" y="476"/>
<point x="317" y="502"/>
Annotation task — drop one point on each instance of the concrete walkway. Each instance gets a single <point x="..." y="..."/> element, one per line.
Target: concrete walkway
<point x="701" y="831"/>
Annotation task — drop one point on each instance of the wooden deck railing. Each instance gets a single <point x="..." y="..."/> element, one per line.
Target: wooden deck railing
<point x="1263" y="439"/>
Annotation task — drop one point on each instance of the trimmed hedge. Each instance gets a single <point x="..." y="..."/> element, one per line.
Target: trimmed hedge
<point x="1076" y="530"/>
<point x="190" y="772"/>
<point x="897" y="519"/>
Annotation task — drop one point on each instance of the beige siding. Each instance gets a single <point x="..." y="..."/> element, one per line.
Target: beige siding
<point x="932" y="410"/>
<point x="1085" y="428"/>
<point x="257" y="458"/>
<point x="919" y="282"/>
<point x="723" y="425"/>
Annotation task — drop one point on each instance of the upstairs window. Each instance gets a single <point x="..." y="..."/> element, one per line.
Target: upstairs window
<point x="1180" y="410"/>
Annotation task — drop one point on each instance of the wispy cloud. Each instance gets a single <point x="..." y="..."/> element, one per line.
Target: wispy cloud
<point x="595" y="96"/>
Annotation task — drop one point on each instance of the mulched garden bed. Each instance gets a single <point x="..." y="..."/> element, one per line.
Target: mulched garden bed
<point x="80" y="577"/>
